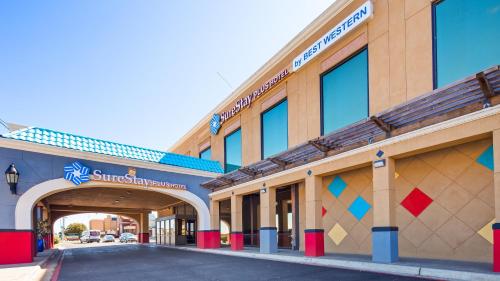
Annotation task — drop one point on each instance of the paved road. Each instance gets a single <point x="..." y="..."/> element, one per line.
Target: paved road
<point x="140" y="263"/>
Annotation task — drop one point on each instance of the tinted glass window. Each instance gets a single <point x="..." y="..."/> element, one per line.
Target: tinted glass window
<point x="467" y="38"/>
<point x="345" y="93"/>
<point x="206" y="154"/>
<point x="232" y="154"/>
<point x="275" y="129"/>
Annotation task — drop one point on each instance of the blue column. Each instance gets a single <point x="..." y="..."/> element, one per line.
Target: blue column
<point x="385" y="244"/>
<point x="268" y="240"/>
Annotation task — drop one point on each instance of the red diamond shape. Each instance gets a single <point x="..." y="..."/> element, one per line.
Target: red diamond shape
<point x="323" y="211"/>
<point x="416" y="202"/>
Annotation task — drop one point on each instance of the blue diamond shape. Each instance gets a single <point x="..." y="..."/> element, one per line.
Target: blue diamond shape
<point x="486" y="158"/>
<point x="337" y="186"/>
<point x="380" y="153"/>
<point x="359" y="208"/>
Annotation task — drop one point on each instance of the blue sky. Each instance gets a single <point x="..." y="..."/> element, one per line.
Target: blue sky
<point x="135" y="72"/>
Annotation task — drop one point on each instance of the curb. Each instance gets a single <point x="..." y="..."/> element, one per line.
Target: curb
<point x="57" y="270"/>
<point x="395" y="269"/>
<point x="40" y="265"/>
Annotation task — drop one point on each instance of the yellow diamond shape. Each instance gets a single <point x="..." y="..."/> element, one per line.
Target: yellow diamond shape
<point x="337" y="234"/>
<point x="396" y="175"/>
<point x="487" y="231"/>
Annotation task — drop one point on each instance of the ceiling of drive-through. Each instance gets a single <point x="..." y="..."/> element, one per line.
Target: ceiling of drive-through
<point x="86" y="199"/>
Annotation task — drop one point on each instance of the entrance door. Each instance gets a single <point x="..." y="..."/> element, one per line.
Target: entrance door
<point x="172" y="232"/>
<point x="190" y="231"/>
<point x="284" y="217"/>
<point x="251" y="219"/>
<point x="158" y="232"/>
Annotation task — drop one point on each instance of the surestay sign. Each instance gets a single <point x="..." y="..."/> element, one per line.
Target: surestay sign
<point x="359" y="16"/>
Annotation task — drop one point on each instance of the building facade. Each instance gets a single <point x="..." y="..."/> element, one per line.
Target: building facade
<point x="109" y="225"/>
<point x="375" y="131"/>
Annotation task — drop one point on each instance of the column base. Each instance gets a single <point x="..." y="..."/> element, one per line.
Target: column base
<point x="268" y="240"/>
<point x="385" y="244"/>
<point x="143" y="238"/>
<point x="16" y="246"/>
<point x="236" y="241"/>
<point x="208" y="239"/>
<point x="496" y="247"/>
<point x="314" y="242"/>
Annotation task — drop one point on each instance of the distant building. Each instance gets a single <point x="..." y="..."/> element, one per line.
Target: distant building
<point x="108" y="225"/>
<point x="127" y="225"/>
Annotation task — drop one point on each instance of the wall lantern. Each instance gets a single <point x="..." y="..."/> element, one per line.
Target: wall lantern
<point x="12" y="177"/>
<point x="379" y="163"/>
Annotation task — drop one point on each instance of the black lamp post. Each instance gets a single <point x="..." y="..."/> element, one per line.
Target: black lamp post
<point x="12" y="176"/>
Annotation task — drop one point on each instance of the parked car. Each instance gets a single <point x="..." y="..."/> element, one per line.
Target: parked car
<point x="127" y="237"/>
<point x="89" y="236"/>
<point x="108" y="238"/>
<point x="72" y="237"/>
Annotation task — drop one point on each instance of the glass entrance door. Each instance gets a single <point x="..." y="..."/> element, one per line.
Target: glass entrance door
<point x="190" y="231"/>
<point x="251" y="219"/>
<point x="158" y="231"/>
<point x="172" y="233"/>
<point x="284" y="217"/>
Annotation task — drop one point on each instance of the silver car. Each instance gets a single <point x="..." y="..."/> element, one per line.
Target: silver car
<point x="128" y="237"/>
<point x="108" y="238"/>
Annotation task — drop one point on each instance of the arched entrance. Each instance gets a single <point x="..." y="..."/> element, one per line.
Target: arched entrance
<point x="23" y="213"/>
<point x="23" y="236"/>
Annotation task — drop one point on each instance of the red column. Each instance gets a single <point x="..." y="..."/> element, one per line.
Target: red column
<point x="314" y="242"/>
<point x="34" y="249"/>
<point x="16" y="246"/>
<point x="496" y="247"/>
<point x="208" y="239"/>
<point x="236" y="241"/>
<point x="143" y="238"/>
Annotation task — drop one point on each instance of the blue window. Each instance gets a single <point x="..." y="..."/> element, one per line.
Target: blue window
<point x="206" y="154"/>
<point x="232" y="151"/>
<point x="466" y="38"/>
<point x="274" y="124"/>
<point x="344" y="93"/>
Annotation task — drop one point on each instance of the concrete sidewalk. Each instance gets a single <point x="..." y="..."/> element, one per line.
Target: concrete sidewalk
<point x="434" y="269"/>
<point x="27" y="271"/>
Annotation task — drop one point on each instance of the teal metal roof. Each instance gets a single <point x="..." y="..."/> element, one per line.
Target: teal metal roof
<point x="86" y="144"/>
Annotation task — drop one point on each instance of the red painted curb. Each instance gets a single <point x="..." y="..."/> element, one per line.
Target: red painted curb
<point x="57" y="270"/>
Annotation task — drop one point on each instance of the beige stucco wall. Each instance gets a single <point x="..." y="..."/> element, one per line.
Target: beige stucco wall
<point x="357" y="238"/>
<point x="463" y="203"/>
<point x="451" y="227"/>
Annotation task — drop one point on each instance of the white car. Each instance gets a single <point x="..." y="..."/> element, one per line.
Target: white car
<point x="89" y="236"/>
<point x="108" y="238"/>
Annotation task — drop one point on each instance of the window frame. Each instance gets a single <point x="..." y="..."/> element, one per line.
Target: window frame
<point x="204" y="150"/>
<point x="262" y="125"/>
<point x="339" y="64"/>
<point x="434" y="42"/>
<point x="225" y="147"/>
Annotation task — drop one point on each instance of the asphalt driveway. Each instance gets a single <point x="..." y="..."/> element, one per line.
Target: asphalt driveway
<point x="138" y="262"/>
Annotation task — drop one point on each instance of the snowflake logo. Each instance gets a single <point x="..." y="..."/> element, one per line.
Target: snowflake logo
<point x="77" y="173"/>
<point x="215" y="124"/>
